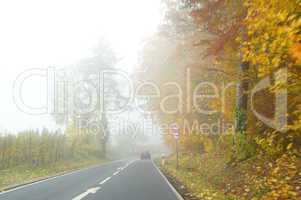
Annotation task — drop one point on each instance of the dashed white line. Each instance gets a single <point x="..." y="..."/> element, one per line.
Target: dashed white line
<point x="58" y="176"/>
<point x="115" y="173"/>
<point x="89" y="191"/>
<point x="119" y="169"/>
<point x="129" y="163"/>
<point x="94" y="190"/>
<point x="102" y="182"/>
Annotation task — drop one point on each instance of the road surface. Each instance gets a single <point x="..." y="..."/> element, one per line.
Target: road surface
<point x="120" y="180"/>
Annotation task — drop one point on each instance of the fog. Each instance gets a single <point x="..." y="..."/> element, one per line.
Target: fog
<point x="40" y="34"/>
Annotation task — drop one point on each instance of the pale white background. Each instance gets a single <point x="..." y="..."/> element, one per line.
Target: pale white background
<point x="38" y="34"/>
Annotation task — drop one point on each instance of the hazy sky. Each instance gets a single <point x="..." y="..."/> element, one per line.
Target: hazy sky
<point x="38" y="34"/>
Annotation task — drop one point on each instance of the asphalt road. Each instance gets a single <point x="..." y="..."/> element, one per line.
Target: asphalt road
<point x="121" y="180"/>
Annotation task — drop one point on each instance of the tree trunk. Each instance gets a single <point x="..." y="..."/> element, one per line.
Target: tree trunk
<point x="242" y="98"/>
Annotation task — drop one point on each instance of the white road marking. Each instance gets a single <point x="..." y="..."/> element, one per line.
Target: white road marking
<point x="102" y="182"/>
<point x="129" y="163"/>
<point x="179" y="197"/>
<point x="89" y="191"/>
<point x="116" y="173"/>
<point x="58" y="176"/>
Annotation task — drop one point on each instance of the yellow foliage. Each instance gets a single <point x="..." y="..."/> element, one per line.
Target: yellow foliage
<point x="295" y="51"/>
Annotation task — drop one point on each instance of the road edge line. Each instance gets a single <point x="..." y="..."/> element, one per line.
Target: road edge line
<point x="179" y="197"/>
<point x="62" y="174"/>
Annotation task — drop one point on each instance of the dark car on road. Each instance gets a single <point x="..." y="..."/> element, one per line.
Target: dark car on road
<point x="145" y="155"/>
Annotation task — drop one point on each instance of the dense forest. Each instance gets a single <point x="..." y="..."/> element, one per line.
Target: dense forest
<point x="242" y="60"/>
<point x="35" y="148"/>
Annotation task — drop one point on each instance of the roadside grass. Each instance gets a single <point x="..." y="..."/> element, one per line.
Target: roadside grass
<point x="25" y="174"/>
